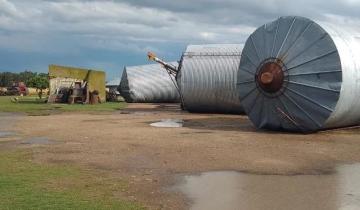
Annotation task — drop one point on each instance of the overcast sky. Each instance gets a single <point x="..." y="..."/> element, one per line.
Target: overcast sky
<point x="111" y="34"/>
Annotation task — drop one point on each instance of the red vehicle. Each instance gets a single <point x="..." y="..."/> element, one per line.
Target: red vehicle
<point x="17" y="89"/>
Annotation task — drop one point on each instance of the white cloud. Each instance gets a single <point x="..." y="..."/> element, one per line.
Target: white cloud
<point x="7" y="8"/>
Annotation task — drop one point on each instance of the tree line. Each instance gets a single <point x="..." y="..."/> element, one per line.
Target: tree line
<point x="28" y="77"/>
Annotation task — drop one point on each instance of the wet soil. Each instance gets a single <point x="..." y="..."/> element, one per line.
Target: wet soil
<point x="151" y="159"/>
<point x="229" y="190"/>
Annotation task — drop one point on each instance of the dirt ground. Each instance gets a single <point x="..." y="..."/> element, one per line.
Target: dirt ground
<point x="124" y="144"/>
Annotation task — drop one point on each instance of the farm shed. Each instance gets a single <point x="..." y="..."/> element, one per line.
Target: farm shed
<point x="66" y="77"/>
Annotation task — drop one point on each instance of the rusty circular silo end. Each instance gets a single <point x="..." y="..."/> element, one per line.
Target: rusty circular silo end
<point x="270" y="77"/>
<point x="290" y="76"/>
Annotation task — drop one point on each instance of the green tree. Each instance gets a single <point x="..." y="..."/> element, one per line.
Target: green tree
<point x="40" y="82"/>
<point x="26" y="76"/>
<point x="7" y="79"/>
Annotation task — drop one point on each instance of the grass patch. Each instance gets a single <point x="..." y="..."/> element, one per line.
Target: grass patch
<point x="27" y="185"/>
<point x="33" y="106"/>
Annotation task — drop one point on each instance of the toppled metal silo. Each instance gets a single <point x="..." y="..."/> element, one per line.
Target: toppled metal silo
<point x="207" y="78"/>
<point x="299" y="75"/>
<point x="148" y="84"/>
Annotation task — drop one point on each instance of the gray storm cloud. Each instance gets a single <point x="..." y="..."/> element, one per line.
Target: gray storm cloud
<point x="75" y="27"/>
<point x="108" y="23"/>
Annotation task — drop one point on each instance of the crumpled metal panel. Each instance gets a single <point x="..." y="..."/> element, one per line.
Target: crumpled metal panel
<point x="207" y="78"/>
<point x="148" y="84"/>
<point x="299" y="75"/>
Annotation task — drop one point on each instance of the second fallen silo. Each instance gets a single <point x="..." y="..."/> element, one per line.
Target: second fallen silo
<point x="148" y="84"/>
<point x="299" y="75"/>
<point x="207" y="78"/>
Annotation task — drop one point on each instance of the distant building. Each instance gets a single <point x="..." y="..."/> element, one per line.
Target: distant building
<point x="66" y="77"/>
<point x="113" y="84"/>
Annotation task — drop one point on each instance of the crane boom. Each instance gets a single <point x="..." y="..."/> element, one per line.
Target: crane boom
<point x="169" y="68"/>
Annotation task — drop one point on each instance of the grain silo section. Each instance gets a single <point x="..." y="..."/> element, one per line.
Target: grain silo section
<point x="299" y="75"/>
<point x="148" y="84"/>
<point x="207" y="78"/>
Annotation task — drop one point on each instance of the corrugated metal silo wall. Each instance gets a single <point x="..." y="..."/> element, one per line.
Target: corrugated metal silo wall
<point x="148" y="84"/>
<point x="207" y="78"/>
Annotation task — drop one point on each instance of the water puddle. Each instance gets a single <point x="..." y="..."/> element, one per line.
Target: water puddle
<point x="5" y="134"/>
<point x="168" y="123"/>
<point x="240" y="191"/>
<point x="38" y="140"/>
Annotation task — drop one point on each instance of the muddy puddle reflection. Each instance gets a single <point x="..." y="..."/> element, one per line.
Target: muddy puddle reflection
<point x="7" y="121"/>
<point x="38" y="141"/>
<point x="5" y="134"/>
<point x="240" y="191"/>
<point x="168" y="123"/>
